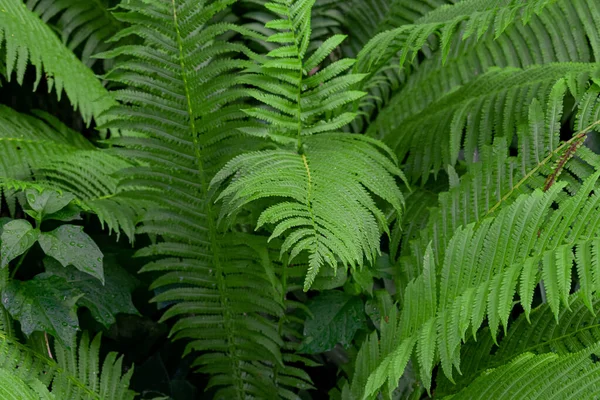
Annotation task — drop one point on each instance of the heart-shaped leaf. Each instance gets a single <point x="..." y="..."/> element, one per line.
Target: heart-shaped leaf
<point x="70" y="245"/>
<point x="17" y="237"/>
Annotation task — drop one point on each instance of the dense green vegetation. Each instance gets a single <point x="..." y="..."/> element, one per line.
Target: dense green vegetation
<point x="299" y="199"/>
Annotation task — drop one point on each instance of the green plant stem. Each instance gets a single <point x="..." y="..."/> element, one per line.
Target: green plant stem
<point x="14" y="272"/>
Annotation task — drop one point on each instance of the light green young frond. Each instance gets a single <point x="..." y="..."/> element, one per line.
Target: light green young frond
<point x="28" y="40"/>
<point x="329" y="178"/>
<point x="76" y="373"/>
<point x="82" y="23"/>
<point x="300" y="96"/>
<point x="327" y="207"/>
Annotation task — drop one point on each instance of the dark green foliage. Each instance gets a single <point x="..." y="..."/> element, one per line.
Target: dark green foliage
<point x="254" y="154"/>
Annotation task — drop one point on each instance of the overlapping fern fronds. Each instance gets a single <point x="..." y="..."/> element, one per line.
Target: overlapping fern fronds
<point x="45" y="150"/>
<point x="28" y="40"/>
<point x="325" y="179"/>
<point x="529" y="376"/>
<point x="479" y="16"/>
<point x="75" y="374"/>
<point x="466" y="119"/>
<point x="575" y="329"/>
<point x="545" y="39"/>
<point x="84" y="23"/>
<point x="182" y="111"/>
<point x="497" y="179"/>
<point x="482" y="267"/>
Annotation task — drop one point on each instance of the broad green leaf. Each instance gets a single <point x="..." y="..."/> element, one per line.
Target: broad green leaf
<point x="70" y="213"/>
<point x="364" y="277"/>
<point x="71" y="246"/>
<point x="17" y="237"/>
<point x="47" y="201"/>
<point x="104" y="302"/>
<point x="45" y="303"/>
<point x="336" y="318"/>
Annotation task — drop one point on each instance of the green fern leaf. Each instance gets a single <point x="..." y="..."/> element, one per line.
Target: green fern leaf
<point x="28" y="40"/>
<point x="327" y="188"/>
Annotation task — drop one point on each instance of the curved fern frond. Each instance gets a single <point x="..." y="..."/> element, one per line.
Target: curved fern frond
<point x="46" y="150"/>
<point x="479" y="16"/>
<point x="576" y="329"/>
<point x="27" y="39"/>
<point x="530" y="376"/>
<point x="329" y="177"/>
<point x="84" y="23"/>
<point x="496" y="103"/>
<point x="482" y="266"/>
<point x="547" y="38"/>
<point x="76" y="373"/>
<point x="27" y="142"/>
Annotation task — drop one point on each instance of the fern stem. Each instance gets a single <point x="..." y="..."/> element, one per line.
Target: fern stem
<point x="578" y="136"/>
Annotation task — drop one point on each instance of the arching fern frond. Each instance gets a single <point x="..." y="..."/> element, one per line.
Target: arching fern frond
<point x="55" y="156"/>
<point x="496" y="103"/>
<point x="76" y="373"/>
<point x="530" y="376"/>
<point x="576" y="329"/>
<point x="478" y="16"/>
<point x="330" y="177"/>
<point x="28" y="40"/>
<point x="84" y="23"/>
<point x="481" y="270"/>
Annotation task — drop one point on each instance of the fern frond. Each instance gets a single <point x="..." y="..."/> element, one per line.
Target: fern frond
<point x="478" y="17"/>
<point x="182" y="110"/>
<point x="496" y="179"/>
<point x="325" y="189"/>
<point x="57" y="157"/>
<point x="530" y="376"/>
<point x="494" y="104"/>
<point x="28" y="40"/>
<point x="576" y="330"/>
<point x="483" y="265"/>
<point x="75" y="374"/>
<point x="88" y="24"/>
<point x="329" y="177"/>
